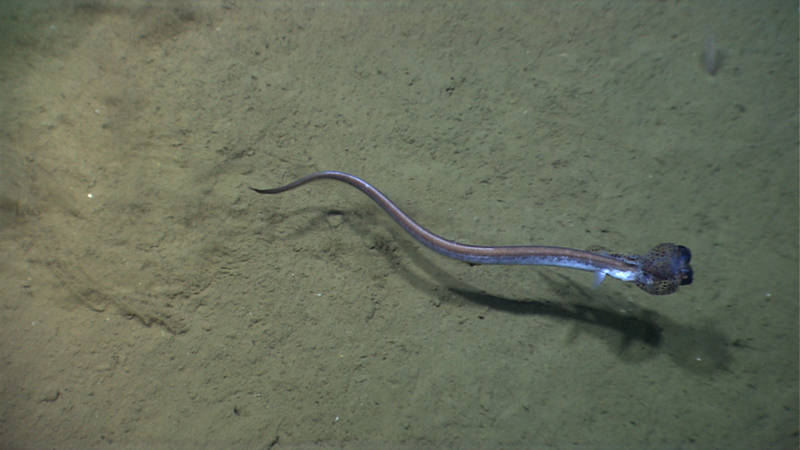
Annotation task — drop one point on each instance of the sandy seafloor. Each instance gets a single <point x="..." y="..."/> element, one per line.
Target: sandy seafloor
<point x="148" y="299"/>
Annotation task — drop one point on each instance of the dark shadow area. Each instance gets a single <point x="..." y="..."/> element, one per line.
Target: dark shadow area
<point x="703" y="350"/>
<point x="643" y="328"/>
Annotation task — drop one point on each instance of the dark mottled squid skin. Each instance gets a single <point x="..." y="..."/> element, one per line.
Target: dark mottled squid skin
<point x="659" y="272"/>
<point x="666" y="267"/>
<point x="663" y="269"/>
